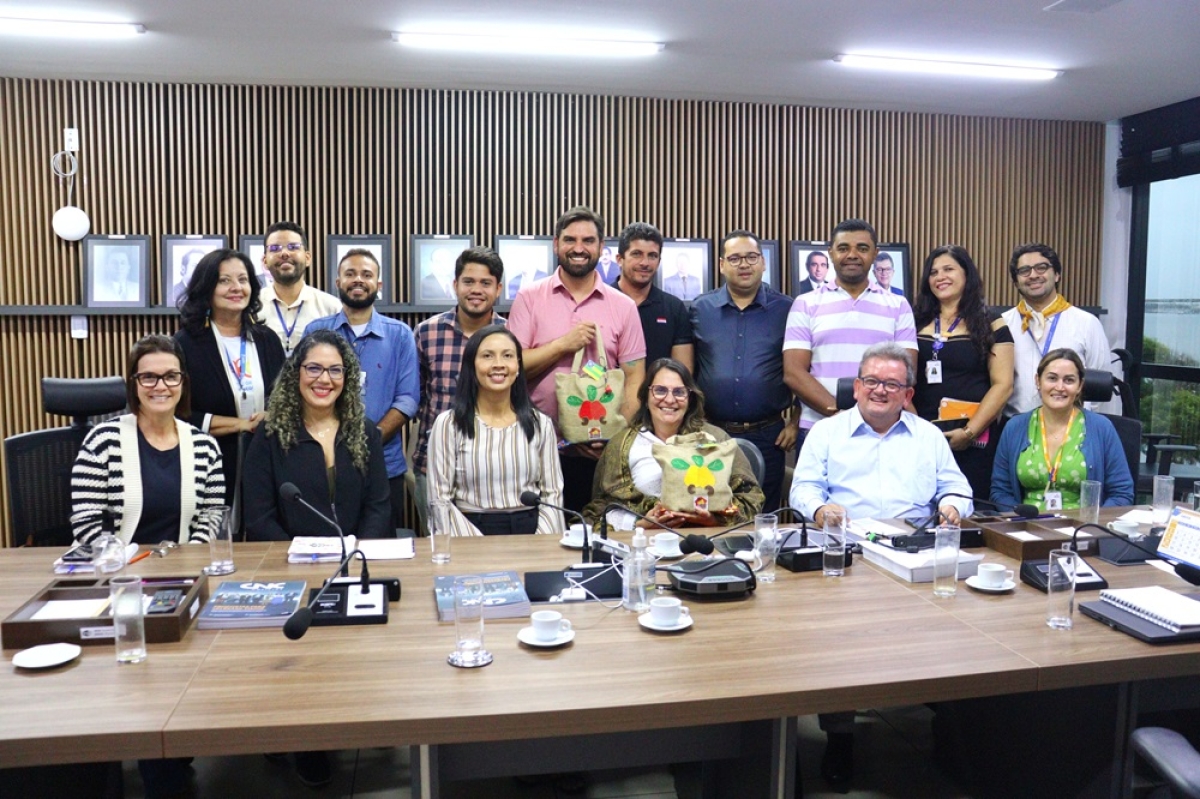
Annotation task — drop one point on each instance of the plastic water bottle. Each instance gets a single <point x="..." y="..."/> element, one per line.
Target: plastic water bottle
<point x="638" y="575"/>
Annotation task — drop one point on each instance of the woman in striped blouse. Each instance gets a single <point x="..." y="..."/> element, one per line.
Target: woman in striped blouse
<point x="493" y="445"/>
<point x="148" y="476"/>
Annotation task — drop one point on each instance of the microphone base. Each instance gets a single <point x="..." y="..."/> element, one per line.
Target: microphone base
<point x="1122" y="553"/>
<point x="344" y="603"/>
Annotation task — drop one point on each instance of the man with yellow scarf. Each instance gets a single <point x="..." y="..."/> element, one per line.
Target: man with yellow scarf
<point x="1043" y="320"/>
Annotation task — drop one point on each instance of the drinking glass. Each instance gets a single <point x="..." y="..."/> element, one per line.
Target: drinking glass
<point x="128" y="615"/>
<point x="1060" y="589"/>
<point x="439" y="531"/>
<point x="1164" y="498"/>
<point x="766" y="546"/>
<point x="946" y="538"/>
<point x="833" y="561"/>
<point x="468" y="624"/>
<point x="108" y="553"/>
<point x="219" y="523"/>
<point x="1089" y="501"/>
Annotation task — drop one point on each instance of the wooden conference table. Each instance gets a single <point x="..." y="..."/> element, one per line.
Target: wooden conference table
<point x="803" y="645"/>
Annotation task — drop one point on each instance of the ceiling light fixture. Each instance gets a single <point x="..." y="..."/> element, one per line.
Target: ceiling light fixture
<point x="69" y="29"/>
<point x="937" y="67"/>
<point x="516" y="44"/>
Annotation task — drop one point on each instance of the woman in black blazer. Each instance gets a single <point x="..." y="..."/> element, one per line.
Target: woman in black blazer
<point x="232" y="363"/>
<point x="317" y="438"/>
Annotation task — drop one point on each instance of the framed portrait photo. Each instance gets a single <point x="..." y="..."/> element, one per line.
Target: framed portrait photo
<point x="254" y="248"/>
<point x="607" y="267"/>
<point x="116" y="271"/>
<point x="527" y="259"/>
<point x="180" y="254"/>
<point x="772" y="276"/>
<point x="431" y="270"/>
<point x="892" y="270"/>
<point x="808" y="266"/>
<point x="336" y="248"/>
<point x="685" y="269"/>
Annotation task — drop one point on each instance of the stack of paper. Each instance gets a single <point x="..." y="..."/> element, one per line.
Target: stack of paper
<point x="318" y="549"/>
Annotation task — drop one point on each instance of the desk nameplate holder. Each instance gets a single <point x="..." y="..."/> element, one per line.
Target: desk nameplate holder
<point x="20" y="630"/>
<point x="1027" y="539"/>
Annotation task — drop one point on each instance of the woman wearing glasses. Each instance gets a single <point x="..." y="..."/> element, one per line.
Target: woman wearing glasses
<point x="232" y="362"/>
<point x="964" y="364"/>
<point x="147" y="476"/>
<point x="493" y="446"/>
<point x="668" y="403"/>
<point x="317" y="437"/>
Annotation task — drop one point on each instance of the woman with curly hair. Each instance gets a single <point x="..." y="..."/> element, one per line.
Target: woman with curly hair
<point x="317" y="437"/>
<point x="231" y="361"/>
<point x="493" y="446"/>
<point x="964" y="354"/>
<point x="669" y="403"/>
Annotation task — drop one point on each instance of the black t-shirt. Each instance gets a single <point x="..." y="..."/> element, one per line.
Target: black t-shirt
<point x="665" y="323"/>
<point x="161" y="479"/>
<point x="965" y="374"/>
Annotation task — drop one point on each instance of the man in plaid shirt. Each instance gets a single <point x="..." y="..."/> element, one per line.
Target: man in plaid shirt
<point x="478" y="281"/>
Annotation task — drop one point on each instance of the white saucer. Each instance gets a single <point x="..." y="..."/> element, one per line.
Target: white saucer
<point x="46" y="656"/>
<point x="525" y="635"/>
<point x="571" y="543"/>
<point x="1007" y="585"/>
<point x="648" y="623"/>
<point x="672" y="555"/>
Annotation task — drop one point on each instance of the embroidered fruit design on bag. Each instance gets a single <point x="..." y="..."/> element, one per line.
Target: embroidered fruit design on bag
<point x="699" y="478"/>
<point x="591" y="410"/>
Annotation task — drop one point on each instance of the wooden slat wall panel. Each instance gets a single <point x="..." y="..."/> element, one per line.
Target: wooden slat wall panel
<point x="162" y="159"/>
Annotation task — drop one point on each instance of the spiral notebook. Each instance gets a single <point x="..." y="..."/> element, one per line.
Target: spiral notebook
<point x="1156" y="604"/>
<point x="1122" y="617"/>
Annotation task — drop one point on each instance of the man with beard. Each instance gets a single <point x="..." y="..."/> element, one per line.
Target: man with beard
<point x="665" y="323"/>
<point x="441" y="339"/>
<point x="290" y="304"/>
<point x="388" y="357"/>
<point x="556" y="317"/>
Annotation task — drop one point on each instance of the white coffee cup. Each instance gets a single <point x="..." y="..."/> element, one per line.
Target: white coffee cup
<point x="574" y="534"/>
<point x="548" y="625"/>
<point x="666" y="543"/>
<point x="667" y="611"/>
<point x="993" y="575"/>
<point x="1123" y="526"/>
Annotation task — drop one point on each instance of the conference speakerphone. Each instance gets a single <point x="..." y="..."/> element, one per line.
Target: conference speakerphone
<point x="711" y="579"/>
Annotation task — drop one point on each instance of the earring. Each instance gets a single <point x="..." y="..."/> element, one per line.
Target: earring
<point x="207" y="315"/>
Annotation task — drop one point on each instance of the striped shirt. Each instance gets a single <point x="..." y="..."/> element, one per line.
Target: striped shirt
<point x="107" y="478"/>
<point x="490" y="471"/>
<point x="837" y="329"/>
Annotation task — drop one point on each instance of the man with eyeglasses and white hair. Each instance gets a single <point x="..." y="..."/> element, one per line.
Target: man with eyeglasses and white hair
<point x="875" y="461"/>
<point x="1043" y="320"/>
<point x="289" y="303"/>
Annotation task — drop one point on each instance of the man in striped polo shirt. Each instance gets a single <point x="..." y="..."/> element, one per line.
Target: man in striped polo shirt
<point x="829" y="329"/>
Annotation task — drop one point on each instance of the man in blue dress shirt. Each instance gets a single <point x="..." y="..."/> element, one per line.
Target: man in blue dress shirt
<point x="387" y="354"/>
<point x="738" y="332"/>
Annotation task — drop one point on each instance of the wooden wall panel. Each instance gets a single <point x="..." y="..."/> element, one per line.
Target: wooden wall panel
<point x="161" y="159"/>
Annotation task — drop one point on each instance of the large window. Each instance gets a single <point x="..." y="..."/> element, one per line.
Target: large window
<point x="1170" y="347"/>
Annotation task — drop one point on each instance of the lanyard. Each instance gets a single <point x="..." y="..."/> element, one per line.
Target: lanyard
<point x="938" y="341"/>
<point x="1049" y="335"/>
<point x="287" y="331"/>
<point x="1046" y="446"/>
<point x="238" y="369"/>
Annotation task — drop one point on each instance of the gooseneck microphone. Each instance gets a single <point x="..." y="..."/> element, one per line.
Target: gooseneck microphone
<point x="1185" y="570"/>
<point x="532" y="499"/>
<point x="299" y="622"/>
<point x="290" y="493"/>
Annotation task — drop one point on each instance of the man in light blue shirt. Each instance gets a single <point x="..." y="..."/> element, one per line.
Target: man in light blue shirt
<point x="387" y="354"/>
<point x="876" y="460"/>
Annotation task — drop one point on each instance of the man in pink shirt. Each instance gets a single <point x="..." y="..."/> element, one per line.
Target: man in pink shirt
<point x="555" y="317"/>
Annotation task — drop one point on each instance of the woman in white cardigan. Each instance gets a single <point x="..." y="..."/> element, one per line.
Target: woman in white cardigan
<point x="147" y="476"/>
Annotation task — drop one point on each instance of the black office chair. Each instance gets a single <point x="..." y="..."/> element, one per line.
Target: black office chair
<point x="39" y="463"/>
<point x="1172" y="758"/>
<point x="844" y="396"/>
<point x="758" y="464"/>
<point x="1099" y="386"/>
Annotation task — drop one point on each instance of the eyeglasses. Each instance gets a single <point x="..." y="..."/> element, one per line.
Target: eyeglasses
<point x="291" y="246"/>
<point x="661" y="392"/>
<point x="890" y="386"/>
<point x="150" y="379"/>
<point x="749" y="259"/>
<point x="1041" y="269"/>
<point x="314" y="370"/>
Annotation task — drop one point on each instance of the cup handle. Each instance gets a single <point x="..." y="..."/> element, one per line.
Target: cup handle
<point x="564" y="625"/>
<point x="683" y="611"/>
<point x="1008" y="575"/>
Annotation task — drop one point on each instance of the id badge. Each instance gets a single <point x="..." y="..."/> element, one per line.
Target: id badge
<point x="246" y="405"/>
<point x="933" y="372"/>
<point x="1052" y="500"/>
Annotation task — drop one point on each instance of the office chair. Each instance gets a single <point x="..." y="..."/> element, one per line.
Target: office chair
<point x="39" y="463"/>
<point x="1172" y="758"/>
<point x="753" y="454"/>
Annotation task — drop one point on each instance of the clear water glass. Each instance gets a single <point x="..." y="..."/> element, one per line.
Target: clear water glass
<point x="129" y="619"/>
<point x="468" y="624"/>
<point x="1060" y="589"/>
<point x="946" y="538"/>
<point x="833" y="561"/>
<point x="766" y="546"/>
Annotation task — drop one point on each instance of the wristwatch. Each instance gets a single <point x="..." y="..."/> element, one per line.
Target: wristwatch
<point x="971" y="434"/>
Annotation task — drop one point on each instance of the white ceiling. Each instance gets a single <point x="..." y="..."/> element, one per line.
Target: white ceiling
<point x="1132" y="56"/>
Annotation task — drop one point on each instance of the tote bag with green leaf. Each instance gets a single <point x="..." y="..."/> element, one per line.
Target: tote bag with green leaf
<point x="696" y="470"/>
<point x="590" y="397"/>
